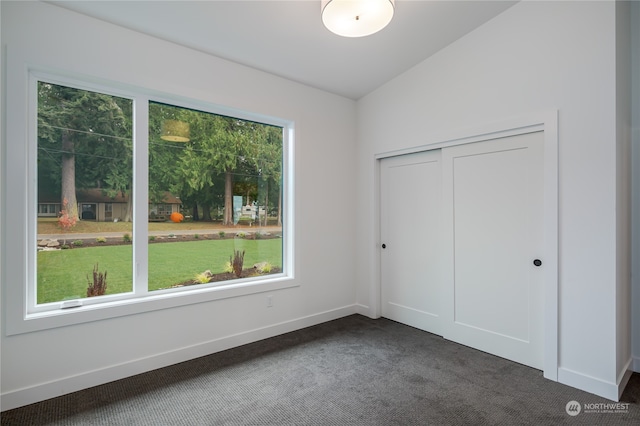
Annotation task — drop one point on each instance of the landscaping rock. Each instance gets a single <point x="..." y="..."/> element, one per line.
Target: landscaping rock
<point x="260" y="266"/>
<point x="48" y="243"/>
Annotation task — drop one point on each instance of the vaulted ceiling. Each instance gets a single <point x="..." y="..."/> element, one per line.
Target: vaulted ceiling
<point x="287" y="38"/>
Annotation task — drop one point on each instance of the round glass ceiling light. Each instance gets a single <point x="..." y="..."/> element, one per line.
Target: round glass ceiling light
<point x="356" y="18"/>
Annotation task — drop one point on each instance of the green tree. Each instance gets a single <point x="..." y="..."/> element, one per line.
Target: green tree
<point x="178" y="167"/>
<point x="224" y="156"/>
<point x="84" y="140"/>
<point x="269" y="166"/>
<point x="219" y="146"/>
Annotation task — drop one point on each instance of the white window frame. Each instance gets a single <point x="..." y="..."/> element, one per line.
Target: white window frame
<point x="28" y="316"/>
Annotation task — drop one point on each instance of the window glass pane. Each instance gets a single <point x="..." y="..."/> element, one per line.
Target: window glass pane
<point x="215" y="197"/>
<point x="84" y="184"/>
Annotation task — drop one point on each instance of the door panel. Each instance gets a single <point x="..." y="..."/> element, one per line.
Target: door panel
<point x="493" y="199"/>
<point x="410" y="214"/>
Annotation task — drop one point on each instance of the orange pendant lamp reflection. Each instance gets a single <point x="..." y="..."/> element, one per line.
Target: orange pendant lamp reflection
<point x="175" y="131"/>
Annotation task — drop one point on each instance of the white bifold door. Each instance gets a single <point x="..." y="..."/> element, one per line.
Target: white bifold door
<point x="467" y="262"/>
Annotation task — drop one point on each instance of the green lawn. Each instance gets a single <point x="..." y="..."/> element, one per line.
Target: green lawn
<point x="62" y="274"/>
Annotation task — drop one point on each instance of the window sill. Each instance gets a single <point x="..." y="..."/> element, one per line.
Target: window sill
<point x="150" y="302"/>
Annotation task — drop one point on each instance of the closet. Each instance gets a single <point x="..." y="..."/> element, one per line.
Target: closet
<point x="462" y="241"/>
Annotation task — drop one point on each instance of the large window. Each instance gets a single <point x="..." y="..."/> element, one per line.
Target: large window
<point x="206" y="192"/>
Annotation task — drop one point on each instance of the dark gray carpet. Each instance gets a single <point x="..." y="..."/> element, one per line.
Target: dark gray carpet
<point x="352" y="371"/>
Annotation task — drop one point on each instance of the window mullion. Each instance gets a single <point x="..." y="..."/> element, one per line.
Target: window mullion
<point x="141" y="195"/>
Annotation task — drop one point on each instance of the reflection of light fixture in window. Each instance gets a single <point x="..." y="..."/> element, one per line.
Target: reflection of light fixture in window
<point x="356" y="18"/>
<point x="175" y="131"/>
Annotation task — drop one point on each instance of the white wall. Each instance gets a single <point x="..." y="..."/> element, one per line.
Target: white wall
<point x="623" y="186"/>
<point x="44" y="364"/>
<point x="635" y="181"/>
<point x="534" y="57"/>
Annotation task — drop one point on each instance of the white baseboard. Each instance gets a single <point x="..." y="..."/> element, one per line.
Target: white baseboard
<point x="624" y="379"/>
<point x="363" y="310"/>
<point x="43" y="391"/>
<point x="596" y="386"/>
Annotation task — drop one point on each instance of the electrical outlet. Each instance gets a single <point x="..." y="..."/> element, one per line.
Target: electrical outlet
<point x="269" y="301"/>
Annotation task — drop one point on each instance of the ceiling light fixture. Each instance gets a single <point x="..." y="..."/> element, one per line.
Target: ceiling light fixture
<point x="356" y="18"/>
<point x="175" y="131"/>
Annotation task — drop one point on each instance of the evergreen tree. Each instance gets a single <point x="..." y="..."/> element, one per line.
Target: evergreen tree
<point x="84" y="141"/>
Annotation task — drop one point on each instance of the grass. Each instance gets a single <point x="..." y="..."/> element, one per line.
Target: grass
<point x="62" y="274"/>
<point x="50" y="226"/>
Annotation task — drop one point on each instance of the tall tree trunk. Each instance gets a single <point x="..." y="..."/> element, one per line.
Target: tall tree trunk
<point x="195" y="212"/>
<point x="266" y="205"/>
<point x="206" y="212"/>
<point x="69" y="177"/>
<point x="128" y="214"/>
<point x="228" y="198"/>
<point x="280" y="205"/>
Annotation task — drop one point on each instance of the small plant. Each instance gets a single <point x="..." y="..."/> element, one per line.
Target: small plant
<point x="126" y="238"/>
<point x="237" y="260"/>
<point x="152" y="238"/>
<point x="101" y="240"/>
<point x="65" y="247"/>
<point x="196" y="236"/>
<point x="241" y="234"/>
<point x="98" y="286"/>
<point x="258" y="235"/>
<point x="221" y="234"/>
<point x="228" y="268"/>
<point x="266" y="268"/>
<point x="202" y="278"/>
<point x="78" y="243"/>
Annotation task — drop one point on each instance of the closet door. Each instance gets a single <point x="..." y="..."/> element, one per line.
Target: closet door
<point x="493" y="219"/>
<point x="411" y="239"/>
